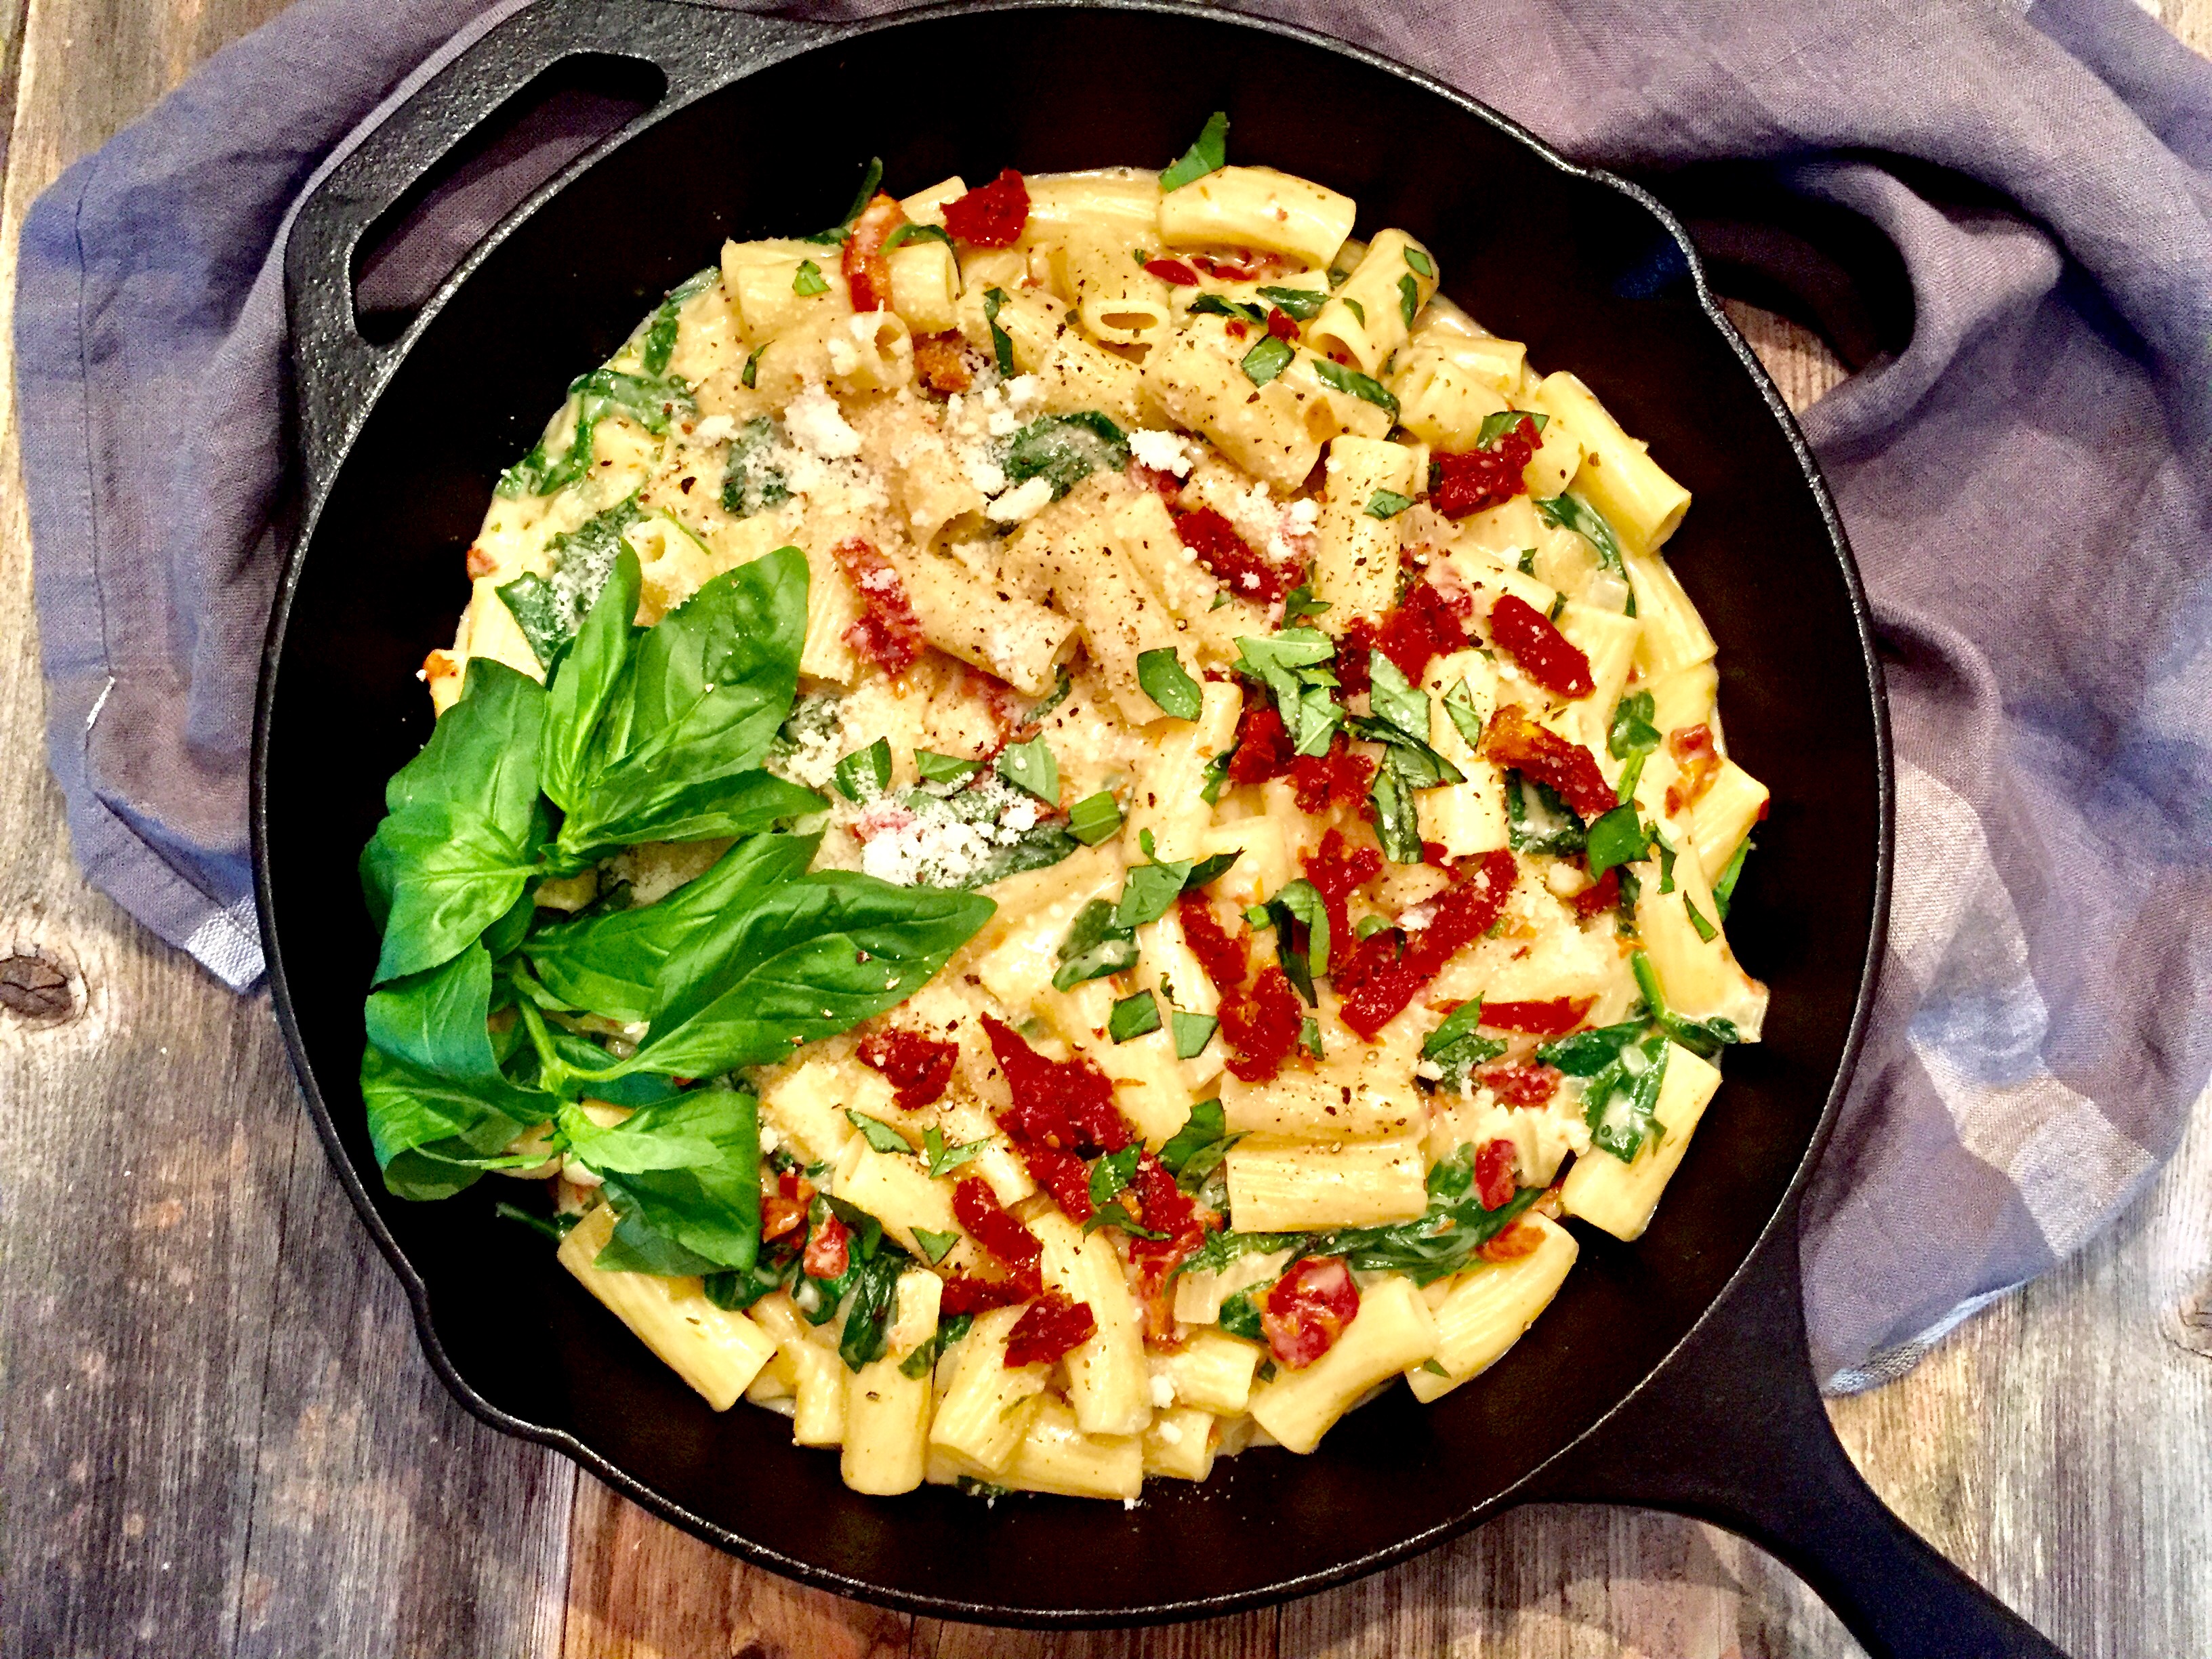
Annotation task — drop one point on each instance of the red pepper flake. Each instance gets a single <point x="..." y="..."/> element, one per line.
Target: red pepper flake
<point x="1339" y="778"/>
<point x="993" y="217"/>
<point x="1225" y="958"/>
<point x="1261" y="1028"/>
<point x="1172" y="270"/>
<point x="918" y="1067"/>
<point x="1516" y="1241"/>
<point x="1234" y="561"/>
<point x="1493" y="1174"/>
<point x="1281" y="324"/>
<point x="1691" y="746"/>
<point x="1378" y="987"/>
<point x="784" y="1206"/>
<point x="886" y="632"/>
<point x="1049" y="1327"/>
<point x="1263" y="745"/>
<point x="867" y="267"/>
<point x="941" y="361"/>
<point x="1539" y="650"/>
<point x="1555" y="1016"/>
<point x="1336" y="876"/>
<point x="1480" y="479"/>
<point x="1003" y="1238"/>
<point x="1518" y="1085"/>
<point x="1515" y="740"/>
<point x="828" y="1251"/>
<point x="1600" y="896"/>
<point x="1309" y="1308"/>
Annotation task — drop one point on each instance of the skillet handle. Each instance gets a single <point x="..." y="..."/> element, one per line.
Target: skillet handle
<point x="694" y="48"/>
<point x="1731" y="1431"/>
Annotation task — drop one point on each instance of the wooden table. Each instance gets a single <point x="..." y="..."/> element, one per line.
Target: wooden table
<point x="219" y="1436"/>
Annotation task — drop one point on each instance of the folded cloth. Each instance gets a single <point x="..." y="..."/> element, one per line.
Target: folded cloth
<point x="2025" y="481"/>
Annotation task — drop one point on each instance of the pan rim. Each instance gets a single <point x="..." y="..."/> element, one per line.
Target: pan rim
<point x="1778" y="1231"/>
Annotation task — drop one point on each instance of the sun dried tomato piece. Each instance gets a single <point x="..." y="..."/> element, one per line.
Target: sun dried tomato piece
<point x="1600" y="896"/>
<point x="784" y="1206"/>
<point x="1261" y="1028"/>
<point x="1062" y="1175"/>
<point x="829" y="1248"/>
<point x="1516" y="1241"/>
<point x="1065" y="1104"/>
<point x="1553" y="1016"/>
<point x="1281" y="324"/>
<point x="1354" y="649"/>
<point x="1339" y="778"/>
<point x="1336" y="875"/>
<point x="867" y="267"/>
<point x="1539" y="650"/>
<point x="1422" y="627"/>
<point x="1699" y="761"/>
<point x="1518" y="1085"/>
<point x="917" y="1067"/>
<point x="1164" y="1206"/>
<point x="1241" y="264"/>
<point x="1234" y="563"/>
<point x="1264" y="749"/>
<point x="1225" y="958"/>
<point x="941" y="361"/>
<point x="1493" y="1174"/>
<point x="972" y="1293"/>
<point x="1513" y="739"/>
<point x="1461" y="915"/>
<point x="993" y="217"/>
<point x="1049" y="1327"/>
<point x="1478" y="479"/>
<point x="996" y="1231"/>
<point x="1172" y="270"/>
<point x="1309" y="1308"/>
<point x="886" y="632"/>
<point x="1437" y="856"/>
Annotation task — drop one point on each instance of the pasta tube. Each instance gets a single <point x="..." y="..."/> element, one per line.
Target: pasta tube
<point x="1393" y="1331"/>
<point x="717" y="1351"/>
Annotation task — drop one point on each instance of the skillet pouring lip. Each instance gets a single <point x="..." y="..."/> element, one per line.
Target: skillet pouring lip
<point x="1776" y="1231"/>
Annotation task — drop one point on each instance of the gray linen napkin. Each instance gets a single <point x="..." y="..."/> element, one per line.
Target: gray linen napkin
<point x="2025" y="481"/>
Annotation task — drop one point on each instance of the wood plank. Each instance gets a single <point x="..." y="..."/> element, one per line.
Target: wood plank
<point x="1241" y="1636"/>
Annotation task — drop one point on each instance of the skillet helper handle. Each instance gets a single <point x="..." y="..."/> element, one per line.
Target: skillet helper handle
<point x="696" y="49"/>
<point x="1731" y="1431"/>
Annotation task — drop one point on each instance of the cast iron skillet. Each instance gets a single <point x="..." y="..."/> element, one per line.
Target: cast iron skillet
<point x="1672" y="1373"/>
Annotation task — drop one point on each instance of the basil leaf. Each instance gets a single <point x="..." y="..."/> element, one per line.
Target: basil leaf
<point x="1537" y="820"/>
<point x="914" y="233"/>
<point x="635" y="1146"/>
<point x="865" y="773"/>
<point x="1632" y="732"/>
<point x="1301" y="901"/>
<point x="1441" y="1243"/>
<point x="1409" y="299"/>
<point x="808" y="280"/>
<point x="1705" y="1037"/>
<point x="1300" y="604"/>
<point x="942" y="1159"/>
<point x="1218" y="1250"/>
<point x="1051" y="700"/>
<point x="1459" y="704"/>
<point x="435" y="1020"/>
<point x="660" y="333"/>
<point x="1209" y="154"/>
<point x="1240" y="1318"/>
<point x="1147" y="893"/>
<point x="1665" y="863"/>
<point x="1094" y="947"/>
<point x="1037" y="848"/>
<point x="1368" y="390"/>
<point x="611" y="964"/>
<point x="1397" y="699"/>
<point x="1397" y="820"/>
<point x="1290" y="663"/>
<point x="1113" y="1215"/>
<point x="1724" y="884"/>
<point x="1588" y="1053"/>
<point x="1618" y="837"/>
<point x="935" y="1246"/>
<point x="1207" y="1125"/>
<point x="751" y="375"/>
<point x="1217" y="776"/>
<point x="751" y="483"/>
<point x="1300" y="304"/>
<point x="1572" y="512"/>
<point x="1617" y="1103"/>
<point x="703" y="1216"/>
<point x="1358" y="310"/>
<point x="433" y="1136"/>
<point x="1309" y="1037"/>
<point x="1706" y="931"/>
<point x="1499" y="422"/>
<point x="1386" y="504"/>
<point x="1112" y="1174"/>
<point x="868" y="1315"/>
<point x="872" y="180"/>
<point x="1267" y="358"/>
<point x="1133" y="1016"/>
<point x="1002" y="347"/>
<point x="1162" y="677"/>
<point x="1030" y="766"/>
<point x="584" y="683"/>
<point x="1192" y="1033"/>
<point x="1065" y="449"/>
<point x="1456" y="1047"/>
<point x="1095" y="818"/>
<point x="930" y="767"/>
<point x="1421" y="262"/>
<point x="482" y="753"/>
<point x="1221" y="305"/>
<point x="441" y="875"/>
<point x="877" y="1134"/>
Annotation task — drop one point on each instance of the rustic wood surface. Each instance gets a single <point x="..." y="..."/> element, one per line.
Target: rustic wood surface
<point x="217" y="1435"/>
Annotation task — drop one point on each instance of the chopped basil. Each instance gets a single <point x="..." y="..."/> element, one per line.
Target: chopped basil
<point x="1002" y="347"/>
<point x="1030" y="766"/>
<point x="914" y="233"/>
<point x="1051" y="700"/>
<point x="1192" y="1033"/>
<point x="1558" y="608"/>
<point x="1357" y="309"/>
<point x="1665" y="863"/>
<point x="1205" y="1127"/>
<point x="1724" y="884"/>
<point x="1065" y="449"/>
<point x="1162" y="678"/>
<point x="1094" y="947"/>
<point x="1397" y="699"/>
<point x="752" y="366"/>
<point x="1338" y="378"/>
<point x="869" y="1310"/>
<point x="1266" y="359"/>
<point x="933" y="767"/>
<point x="1290" y="663"/>
<point x="555" y="1227"/>
<point x="659" y="343"/>
<point x="1433" y="1369"/>
<point x="923" y="1360"/>
<point x="1367" y="927"/>
<point x="872" y="764"/>
<point x="1618" y="1102"/>
<point x="1216" y="775"/>
<point x="1527" y="562"/>
<point x="1220" y="306"/>
<point x="1301" y="304"/>
<point x="1700" y="1036"/>
<point x="1210" y="154"/>
<point x="1309" y="1037"/>
<point x="1409" y="299"/>
<point x="1572" y="512"/>
<point x="1537" y="820"/>
<point x="872" y="180"/>
<point x="1397" y="820"/>
<point x="943" y="1159"/>
<point x="1114" y="1215"/>
<point x="1112" y="1174"/>
<point x="1420" y="262"/>
<point x="1149" y="890"/>
<point x="1095" y="818"/>
<point x="749" y="484"/>
<point x="1497" y="424"/>
<point x="1240" y="1318"/>
<point x="1632" y="738"/>
<point x="877" y="1132"/>
<point x="1706" y="931"/>
<point x="808" y="279"/>
<point x="1617" y="838"/>
<point x="647" y="399"/>
<point x="1455" y="1045"/>
<point x="1458" y="703"/>
<point x="1299" y="900"/>
<point x="1133" y="1016"/>
<point x="1300" y="604"/>
<point x="1444" y="1239"/>
<point x="1386" y="504"/>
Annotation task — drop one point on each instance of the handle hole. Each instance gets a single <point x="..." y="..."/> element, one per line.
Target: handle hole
<point x="418" y="241"/>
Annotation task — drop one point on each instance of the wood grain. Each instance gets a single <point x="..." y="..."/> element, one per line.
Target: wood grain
<point x="218" y="1434"/>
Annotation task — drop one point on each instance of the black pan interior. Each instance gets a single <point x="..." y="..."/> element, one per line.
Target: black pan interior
<point x="1585" y="274"/>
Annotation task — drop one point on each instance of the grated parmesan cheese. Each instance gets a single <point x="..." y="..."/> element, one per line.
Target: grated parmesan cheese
<point x="1023" y="502"/>
<point x="940" y="841"/>
<point x="1163" y="451"/>
<point x="818" y="425"/>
